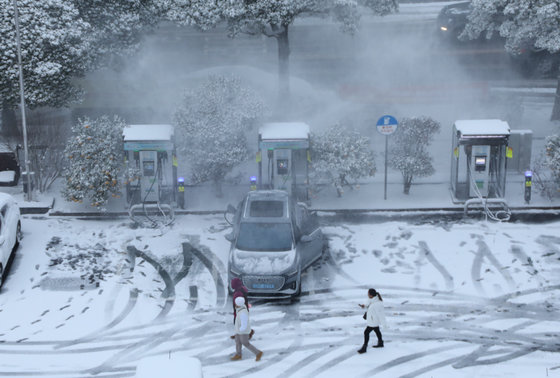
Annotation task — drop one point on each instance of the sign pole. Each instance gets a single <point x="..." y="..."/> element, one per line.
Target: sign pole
<point x="386" y="148"/>
<point x="386" y="125"/>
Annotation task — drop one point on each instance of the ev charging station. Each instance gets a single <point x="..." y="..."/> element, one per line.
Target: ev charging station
<point x="478" y="162"/>
<point x="283" y="158"/>
<point x="150" y="152"/>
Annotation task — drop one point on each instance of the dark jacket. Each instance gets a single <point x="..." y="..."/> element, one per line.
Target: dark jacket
<point x="239" y="291"/>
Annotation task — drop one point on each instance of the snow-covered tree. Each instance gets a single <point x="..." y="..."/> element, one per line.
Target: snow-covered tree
<point x="94" y="153"/>
<point x="525" y="24"/>
<point x="61" y="40"/>
<point x="211" y="125"/>
<point x="273" y="18"/>
<point x="409" y="148"/>
<point x="553" y="155"/>
<point x="339" y="155"/>
<point x="52" y="50"/>
<point x="546" y="168"/>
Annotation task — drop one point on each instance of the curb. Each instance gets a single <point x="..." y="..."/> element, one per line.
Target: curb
<point x="457" y="209"/>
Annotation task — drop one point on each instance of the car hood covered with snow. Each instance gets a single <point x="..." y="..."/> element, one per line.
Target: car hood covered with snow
<point x="263" y="262"/>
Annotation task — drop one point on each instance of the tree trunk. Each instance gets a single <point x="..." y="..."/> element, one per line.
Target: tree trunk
<point x="283" y="63"/>
<point x="9" y="125"/>
<point x="218" y="188"/>
<point x="556" y="109"/>
<point x="407" y="184"/>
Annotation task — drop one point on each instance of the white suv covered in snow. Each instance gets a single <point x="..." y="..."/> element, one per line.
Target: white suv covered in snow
<point x="273" y="240"/>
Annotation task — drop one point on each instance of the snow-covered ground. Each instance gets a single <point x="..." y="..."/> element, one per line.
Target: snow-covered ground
<point x="462" y="299"/>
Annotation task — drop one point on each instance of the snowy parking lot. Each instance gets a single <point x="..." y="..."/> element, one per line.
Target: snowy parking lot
<point x="466" y="298"/>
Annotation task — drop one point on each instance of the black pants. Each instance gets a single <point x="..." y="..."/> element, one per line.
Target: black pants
<point x="377" y="333"/>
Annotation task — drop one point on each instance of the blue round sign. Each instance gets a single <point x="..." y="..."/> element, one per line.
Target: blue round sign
<point x="387" y="125"/>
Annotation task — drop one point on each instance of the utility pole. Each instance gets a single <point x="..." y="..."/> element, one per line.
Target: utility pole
<point x="22" y="105"/>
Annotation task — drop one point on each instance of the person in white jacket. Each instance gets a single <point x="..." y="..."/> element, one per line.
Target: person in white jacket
<point x="375" y="318"/>
<point x="242" y="330"/>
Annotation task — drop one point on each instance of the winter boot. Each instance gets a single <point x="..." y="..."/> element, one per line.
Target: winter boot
<point x="379" y="345"/>
<point x="363" y="349"/>
<point x="236" y="357"/>
<point x="259" y="355"/>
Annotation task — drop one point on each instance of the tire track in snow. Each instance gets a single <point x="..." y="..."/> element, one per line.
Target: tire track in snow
<point x="474" y="359"/>
<point x="337" y="268"/>
<point x="408" y="358"/>
<point x="132" y="300"/>
<point x="428" y="368"/>
<point x="125" y="372"/>
<point x="337" y="360"/>
<point x="484" y="252"/>
<point x="451" y="332"/>
<point x="448" y="278"/>
<point x="214" y="266"/>
<point x="552" y="252"/>
<point x="520" y="254"/>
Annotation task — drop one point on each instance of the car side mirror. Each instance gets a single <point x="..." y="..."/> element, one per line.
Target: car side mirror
<point x="306" y="238"/>
<point x="229" y="237"/>
<point x="229" y="210"/>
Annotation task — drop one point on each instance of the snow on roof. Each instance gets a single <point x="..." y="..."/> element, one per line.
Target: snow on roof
<point x="284" y="130"/>
<point x="7" y="176"/>
<point x="148" y="132"/>
<point x="482" y="127"/>
<point x="5" y="147"/>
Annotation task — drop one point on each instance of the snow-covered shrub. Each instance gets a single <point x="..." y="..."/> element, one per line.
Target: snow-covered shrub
<point x="338" y="155"/>
<point x="211" y="125"/>
<point x="409" y="148"/>
<point x="546" y="169"/>
<point x="94" y="153"/>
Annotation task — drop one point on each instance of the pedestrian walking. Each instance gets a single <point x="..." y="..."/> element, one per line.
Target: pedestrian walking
<point x="239" y="290"/>
<point x="375" y="317"/>
<point x="242" y="330"/>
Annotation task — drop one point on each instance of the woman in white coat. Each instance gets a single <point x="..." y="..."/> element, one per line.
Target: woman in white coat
<point x="375" y="317"/>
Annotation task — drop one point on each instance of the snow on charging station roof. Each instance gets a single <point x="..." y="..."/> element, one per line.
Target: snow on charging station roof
<point x="148" y="132"/>
<point x="284" y="130"/>
<point x="473" y="127"/>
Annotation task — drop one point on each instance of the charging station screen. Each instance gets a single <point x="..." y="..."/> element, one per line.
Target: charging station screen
<point x="480" y="163"/>
<point x="282" y="166"/>
<point x="148" y="167"/>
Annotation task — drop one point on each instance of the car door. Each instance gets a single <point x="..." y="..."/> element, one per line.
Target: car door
<point x="8" y="230"/>
<point x="12" y="222"/>
<point x="4" y="252"/>
<point x="311" y="241"/>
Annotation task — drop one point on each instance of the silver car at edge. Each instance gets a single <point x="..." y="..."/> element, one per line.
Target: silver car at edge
<point x="10" y="232"/>
<point x="274" y="239"/>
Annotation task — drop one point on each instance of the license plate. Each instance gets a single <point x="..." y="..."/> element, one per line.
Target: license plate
<point x="263" y="286"/>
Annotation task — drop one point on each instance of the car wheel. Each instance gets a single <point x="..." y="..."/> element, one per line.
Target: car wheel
<point x="297" y="294"/>
<point x="19" y="234"/>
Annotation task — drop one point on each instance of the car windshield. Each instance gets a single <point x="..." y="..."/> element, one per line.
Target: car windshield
<point x="266" y="209"/>
<point x="265" y="237"/>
